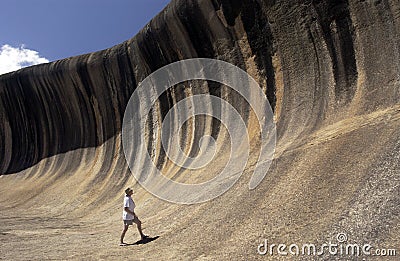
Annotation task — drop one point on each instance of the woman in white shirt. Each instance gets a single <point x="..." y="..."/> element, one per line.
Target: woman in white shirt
<point x="129" y="217"/>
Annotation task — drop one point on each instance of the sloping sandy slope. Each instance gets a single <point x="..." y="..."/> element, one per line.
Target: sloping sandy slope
<point x="330" y="70"/>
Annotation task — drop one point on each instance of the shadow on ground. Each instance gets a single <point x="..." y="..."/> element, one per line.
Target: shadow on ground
<point x="144" y="241"/>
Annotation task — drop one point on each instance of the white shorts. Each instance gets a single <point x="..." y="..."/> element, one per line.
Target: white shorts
<point x="131" y="221"/>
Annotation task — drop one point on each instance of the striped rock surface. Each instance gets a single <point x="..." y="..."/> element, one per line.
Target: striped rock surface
<point x="331" y="72"/>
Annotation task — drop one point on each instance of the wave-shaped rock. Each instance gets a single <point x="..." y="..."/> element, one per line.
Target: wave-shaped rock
<point x="330" y="70"/>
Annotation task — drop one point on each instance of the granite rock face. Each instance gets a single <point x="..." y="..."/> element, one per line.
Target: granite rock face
<point x="330" y="70"/>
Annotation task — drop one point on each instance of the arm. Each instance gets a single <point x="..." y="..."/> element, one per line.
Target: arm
<point x="130" y="212"/>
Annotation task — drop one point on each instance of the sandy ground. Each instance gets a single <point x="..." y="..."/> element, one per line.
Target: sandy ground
<point x="32" y="237"/>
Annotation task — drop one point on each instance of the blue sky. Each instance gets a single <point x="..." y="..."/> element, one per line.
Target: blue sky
<point x="58" y="29"/>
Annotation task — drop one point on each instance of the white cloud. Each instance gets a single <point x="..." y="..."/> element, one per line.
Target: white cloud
<point x="14" y="58"/>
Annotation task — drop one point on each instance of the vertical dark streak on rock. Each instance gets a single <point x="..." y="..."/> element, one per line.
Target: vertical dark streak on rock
<point x="193" y="22"/>
<point x="260" y="39"/>
<point x="89" y="119"/>
<point x="334" y="17"/>
<point x="151" y="131"/>
<point x="128" y="81"/>
<point x="231" y="10"/>
<point x="215" y="90"/>
<point x="319" y="106"/>
<point x="5" y="138"/>
<point x="14" y="98"/>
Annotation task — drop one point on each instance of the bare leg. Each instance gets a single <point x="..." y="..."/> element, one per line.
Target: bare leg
<point x="139" y="227"/>
<point x="123" y="233"/>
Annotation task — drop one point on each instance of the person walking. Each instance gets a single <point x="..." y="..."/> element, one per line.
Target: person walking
<point x="129" y="217"/>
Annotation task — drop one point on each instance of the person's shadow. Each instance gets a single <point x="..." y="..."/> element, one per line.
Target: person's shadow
<point x="145" y="240"/>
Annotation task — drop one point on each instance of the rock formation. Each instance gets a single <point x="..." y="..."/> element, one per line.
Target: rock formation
<point x="331" y="72"/>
